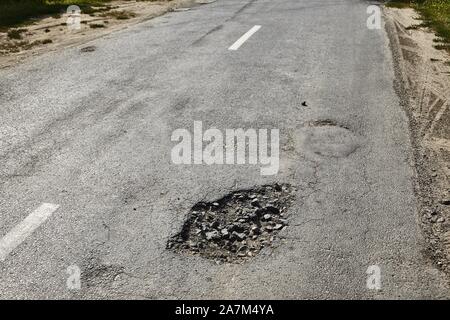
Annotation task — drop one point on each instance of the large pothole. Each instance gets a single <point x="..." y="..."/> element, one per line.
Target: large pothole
<point x="327" y="138"/>
<point x="237" y="226"/>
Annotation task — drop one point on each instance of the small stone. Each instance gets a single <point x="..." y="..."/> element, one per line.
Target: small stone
<point x="272" y="209"/>
<point x="255" y="203"/>
<point x="215" y="224"/>
<point x="212" y="235"/>
<point x="268" y="228"/>
<point x="440" y="220"/>
<point x="278" y="226"/>
<point x="255" y="230"/>
<point x="259" y="212"/>
<point x="224" y="231"/>
<point x="239" y="227"/>
<point x="192" y="244"/>
<point x="239" y="236"/>
<point x="215" y="204"/>
<point x="243" y="248"/>
<point x="267" y="217"/>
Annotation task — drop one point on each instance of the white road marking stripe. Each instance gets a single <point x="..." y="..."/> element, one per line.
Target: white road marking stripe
<point x="20" y="232"/>
<point x="244" y="38"/>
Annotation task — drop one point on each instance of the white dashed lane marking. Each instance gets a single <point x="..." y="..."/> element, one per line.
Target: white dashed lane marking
<point x="25" y="228"/>
<point x="244" y="38"/>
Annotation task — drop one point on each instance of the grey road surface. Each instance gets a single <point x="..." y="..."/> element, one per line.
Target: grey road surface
<point x="90" y="132"/>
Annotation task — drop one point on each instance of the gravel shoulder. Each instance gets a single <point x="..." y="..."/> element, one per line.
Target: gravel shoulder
<point x="53" y="33"/>
<point x="423" y="74"/>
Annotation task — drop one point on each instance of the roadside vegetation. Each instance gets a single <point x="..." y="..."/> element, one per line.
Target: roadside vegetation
<point x="435" y="14"/>
<point x="15" y="13"/>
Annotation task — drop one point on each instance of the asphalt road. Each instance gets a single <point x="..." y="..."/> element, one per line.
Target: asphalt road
<point x="90" y="133"/>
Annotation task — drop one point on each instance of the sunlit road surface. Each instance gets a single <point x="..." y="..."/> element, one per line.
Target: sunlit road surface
<point x="87" y="182"/>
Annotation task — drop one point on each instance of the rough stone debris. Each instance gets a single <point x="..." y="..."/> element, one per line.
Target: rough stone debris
<point x="237" y="226"/>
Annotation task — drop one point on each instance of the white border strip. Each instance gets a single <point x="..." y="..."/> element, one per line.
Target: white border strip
<point x="244" y="38"/>
<point x="20" y="232"/>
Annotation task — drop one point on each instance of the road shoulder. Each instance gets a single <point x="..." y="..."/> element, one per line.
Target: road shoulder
<point x="423" y="83"/>
<point x="55" y="32"/>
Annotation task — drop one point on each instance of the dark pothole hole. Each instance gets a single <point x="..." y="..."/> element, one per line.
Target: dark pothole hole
<point x="236" y="227"/>
<point x="88" y="49"/>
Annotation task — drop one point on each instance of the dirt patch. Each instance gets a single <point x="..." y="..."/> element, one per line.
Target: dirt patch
<point x="51" y="33"/>
<point x="424" y="86"/>
<point x="236" y="227"/>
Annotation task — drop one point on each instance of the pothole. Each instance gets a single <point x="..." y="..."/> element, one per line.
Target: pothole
<point x="236" y="227"/>
<point x="95" y="273"/>
<point x="88" y="49"/>
<point x="327" y="138"/>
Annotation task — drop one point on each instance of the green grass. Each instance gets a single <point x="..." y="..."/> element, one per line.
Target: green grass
<point x="436" y="15"/>
<point x="14" y="13"/>
<point x="398" y="4"/>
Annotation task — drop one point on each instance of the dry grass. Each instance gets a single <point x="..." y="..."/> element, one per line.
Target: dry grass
<point x="97" y="25"/>
<point x="119" y="15"/>
<point x="436" y="15"/>
<point x="17" y="46"/>
<point x="16" y="34"/>
<point x="17" y="12"/>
